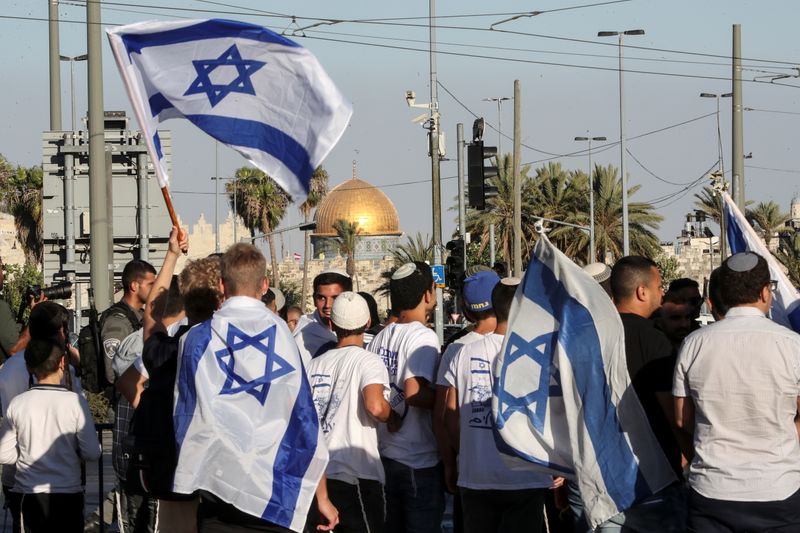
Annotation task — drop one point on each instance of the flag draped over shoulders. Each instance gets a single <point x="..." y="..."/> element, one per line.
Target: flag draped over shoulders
<point x="742" y="237"/>
<point x="563" y="399"/>
<point x="245" y="422"/>
<point x="260" y="93"/>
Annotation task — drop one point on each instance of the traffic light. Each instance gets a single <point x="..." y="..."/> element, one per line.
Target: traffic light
<point x="455" y="263"/>
<point x="477" y="174"/>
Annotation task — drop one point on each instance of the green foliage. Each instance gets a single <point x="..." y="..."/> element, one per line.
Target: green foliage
<point x="18" y="278"/>
<point x="98" y="405"/>
<point x="416" y="248"/>
<point x="21" y="196"/>
<point x="788" y="254"/>
<point x="347" y="234"/>
<point x="292" y="293"/>
<point x="768" y="219"/>
<point x="669" y="267"/>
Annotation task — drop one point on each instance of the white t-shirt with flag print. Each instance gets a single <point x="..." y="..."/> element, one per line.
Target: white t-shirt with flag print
<point x="480" y="465"/>
<point x="338" y="378"/>
<point x="408" y="351"/>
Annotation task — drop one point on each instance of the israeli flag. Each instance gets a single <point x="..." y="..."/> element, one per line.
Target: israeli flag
<point x="260" y="93"/>
<point x="563" y="399"/>
<point x="245" y="422"/>
<point x="743" y="238"/>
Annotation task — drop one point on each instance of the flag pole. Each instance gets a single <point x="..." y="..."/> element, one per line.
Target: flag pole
<point x="171" y="210"/>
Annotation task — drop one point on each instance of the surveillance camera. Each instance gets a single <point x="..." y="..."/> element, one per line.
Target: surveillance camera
<point x="538" y="226"/>
<point x="411" y="97"/>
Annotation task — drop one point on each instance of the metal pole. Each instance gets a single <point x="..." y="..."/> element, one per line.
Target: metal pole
<point x="492" y="254"/>
<point x="55" y="67"/>
<point x="101" y="267"/>
<point x="235" y="211"/>
<point x="626" y="247"/>
<point x="738" y="132"/>
<point x="517" y="184"/>
<point x="462" y="210"/>
<point x="69" y="224"/>
<point x="499" y="130"/>
<point x="143" y="209"/>
<point x="72" y="90"/>
<point x="592" y="254"/>
<point x="436" y="186"/>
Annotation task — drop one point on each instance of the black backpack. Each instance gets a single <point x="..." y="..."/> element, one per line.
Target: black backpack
<point x="93" y="370"/>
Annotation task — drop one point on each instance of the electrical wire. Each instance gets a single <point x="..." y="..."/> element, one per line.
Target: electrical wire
<point x="787" y="170"/>
<point x="772" y="111"/>
<point x="659" y="178"/>
<point x="682" y="192"/>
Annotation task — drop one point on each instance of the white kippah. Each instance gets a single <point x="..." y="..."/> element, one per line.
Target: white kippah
<point x="350" y="311"/>
<point x="335" y="271"/>
<point x="511" y="282"/>
<point x="599" y="271"/>
<point x="404" y="271"/>
<point x="280" y="299"/>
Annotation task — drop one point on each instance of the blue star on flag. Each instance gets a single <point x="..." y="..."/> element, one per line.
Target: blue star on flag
<point x="534" y="404"/>
<point x="275" y="366"/>
<point x="216" y="93"/>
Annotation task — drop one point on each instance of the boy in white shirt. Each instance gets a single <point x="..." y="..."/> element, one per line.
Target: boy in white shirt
<point x="410" y="351"/>
<point x="348" y="384"/>
<point x="47" y="431"/>
<point x="495" y="498"/>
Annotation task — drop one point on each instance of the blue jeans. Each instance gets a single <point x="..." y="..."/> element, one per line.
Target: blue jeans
<point x="414" y="498"/>
<point x="664" y="511"/>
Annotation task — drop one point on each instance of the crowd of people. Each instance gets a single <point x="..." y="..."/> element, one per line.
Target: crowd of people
<point x="404" y="423"/>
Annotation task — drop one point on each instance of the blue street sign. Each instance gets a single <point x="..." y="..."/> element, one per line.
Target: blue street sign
<point x="438" y="276"/>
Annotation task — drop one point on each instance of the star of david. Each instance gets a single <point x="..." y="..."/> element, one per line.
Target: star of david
<point x="534" y="404"/>
<point x="275" y="366"/>
<point x="216" y="93"/>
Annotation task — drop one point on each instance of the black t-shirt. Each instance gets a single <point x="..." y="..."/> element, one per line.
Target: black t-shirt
<point x="651" y="364"/>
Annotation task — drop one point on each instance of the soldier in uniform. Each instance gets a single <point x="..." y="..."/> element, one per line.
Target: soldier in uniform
<point x="120" y="320"/>
<point x="9" y="330"/>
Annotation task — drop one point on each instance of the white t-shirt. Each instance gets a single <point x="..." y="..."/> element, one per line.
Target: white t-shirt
<point x="480" y="465"/>
<point x="743" y="376"/>
<point x="311" y="335"/>
<point x="450" y="352"/>
<point x="338" y="378"/>
<point x="408" y="351"/>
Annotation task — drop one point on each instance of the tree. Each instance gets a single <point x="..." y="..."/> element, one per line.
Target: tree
<point x="642" y="218"/>
<point x="669" y="267"/>
<point x="769" y="219"/>
<point x="347" y="233"/>
<point x="262" y="205"/>
<point x="317" y="190"/>
<point x="417" y="248"/>
<point x="21" y="197"/>
<point x="500" y="211"/>
<point x="788" y="253"/>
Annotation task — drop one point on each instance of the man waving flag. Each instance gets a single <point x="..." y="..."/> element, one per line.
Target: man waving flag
<point x="563" y="399"/>
<point x="742" y="237"/>
<point x="260" y="93"/>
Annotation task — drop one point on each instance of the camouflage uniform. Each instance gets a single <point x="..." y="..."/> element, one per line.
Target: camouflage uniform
<point x="9" y="330"/>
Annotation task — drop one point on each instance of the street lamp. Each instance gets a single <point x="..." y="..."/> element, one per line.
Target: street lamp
<point x="592" y="253"/>
<point x="625" y="229"/>
<point x="719" y="130"/>
<point x="499" y="100"/>
<point x="72" y="60"/>
<point x="303" y="226"/>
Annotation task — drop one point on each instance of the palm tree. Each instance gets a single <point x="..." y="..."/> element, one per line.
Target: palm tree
<point x="788" y="253"/>
<point x="769" y="219"/>
<point x="262" y="205"/>
<point x="21" y="192"/>
<point x="417" y="248"/>
<point x="709" y="202"/>
<point x="317" y="189"/>
<point x="500" y="211"/>
<point x="347" y="233"/>
<point x="642" y="218"/>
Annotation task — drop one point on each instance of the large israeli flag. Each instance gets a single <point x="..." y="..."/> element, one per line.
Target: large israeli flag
<point x="245" y="422"/>
<point x="260" y="93"/>
<point x="563" y="399"/>
<point x="743" y="238"/>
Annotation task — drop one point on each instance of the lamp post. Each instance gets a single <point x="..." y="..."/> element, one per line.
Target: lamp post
<point x="592" y="254"/>
<point x="719" y="130"/>
<point x="622" y="145"/>
<point x="72" y="60"/>
<point x="499" y="100"/>
<point x="303" y="226"/>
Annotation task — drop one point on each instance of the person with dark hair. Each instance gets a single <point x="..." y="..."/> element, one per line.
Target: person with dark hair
<point x="494" y="497"/>
<point x="9" y="329"/>
<point x="718" y="307"/>
<point x="349" y="384"/>
<point x="637" y="292"/>
<point x="410" y="351"/>
<point x="688" y="290"/>
<point x="293" y="315"/>
<point x="374" y="320"/>
<point x="737" y="394"/>
<point x="314" y="334"/>
<point x="46" y="432"/>
<point x="675" y="318"/>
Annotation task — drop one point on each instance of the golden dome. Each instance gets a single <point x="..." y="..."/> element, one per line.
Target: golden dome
<point x="356" y="200"/>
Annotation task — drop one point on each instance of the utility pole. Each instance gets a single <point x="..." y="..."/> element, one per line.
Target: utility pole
<point x="55" y="66"/>
<point x="738" y="129"/>
<point x="517" y="184"/>
<point x="435" y="184"/>
<point x="462" y="210"/>
<point x="102" y="267"/>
